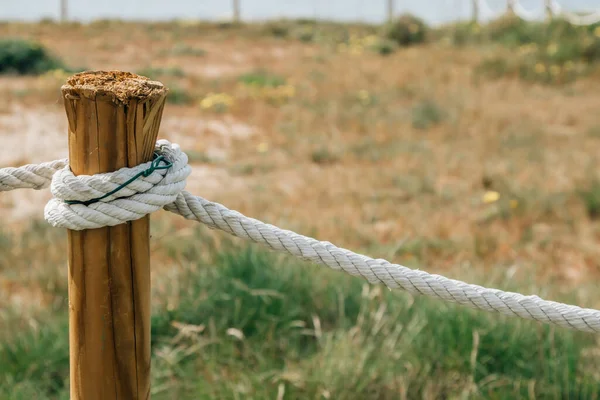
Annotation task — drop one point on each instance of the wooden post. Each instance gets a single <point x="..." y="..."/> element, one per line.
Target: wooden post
<point x="510" y="7"/>
<point x="475" y="11"/>
<point x="63" y="11"/>
<point x="114" y="119"/>
<point x="236" y="11"/>
<point x="390" y="10"/>
<point x="548" y="7"/>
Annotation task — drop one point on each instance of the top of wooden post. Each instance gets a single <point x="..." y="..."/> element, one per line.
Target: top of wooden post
<point x="120" y="86"/>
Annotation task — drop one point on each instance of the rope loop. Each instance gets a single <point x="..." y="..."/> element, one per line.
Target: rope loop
<point x="153" y="185"/>
<point x="154" y="165"/>
<point x="109" y="199"/>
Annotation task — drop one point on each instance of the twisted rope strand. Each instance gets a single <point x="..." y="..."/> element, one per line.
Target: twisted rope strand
<point x="375" y="271"/>
<point x="164" y="188"/>
<point x="31" y="176"/>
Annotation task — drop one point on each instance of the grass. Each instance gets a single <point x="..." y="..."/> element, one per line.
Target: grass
<point x="591" y="199"/>
<point x="161" y="72"/>
<point x="178" y="95"/>
<point x="553" y="52"/>
<point x="324" y="156"/>
<point x="261" y="78"/>
<point x="185" y="50"/>
<point x="427" y="114"/>
<point x="236" y="321"/>
<point x="406" y="157"/>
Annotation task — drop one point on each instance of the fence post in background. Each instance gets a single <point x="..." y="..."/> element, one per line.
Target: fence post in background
<point x="548" y="7"/>
<point x="114" y="119"/>
<point x="236" y="11"/>
<point x="475" y="11"/>
<point x="390" y="10"/>
<point x="64" y="10"/>
<point x="510" y="7"/>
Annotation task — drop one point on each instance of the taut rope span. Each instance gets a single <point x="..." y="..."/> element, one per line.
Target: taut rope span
<point x="117" y="198"/>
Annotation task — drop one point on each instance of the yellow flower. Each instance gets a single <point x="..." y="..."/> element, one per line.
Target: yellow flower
<point x="528" y="48"/>
<point x="370" y="40"/>
<point x="287" y="90"/>
<point x="56" y="74"/>
<point x="262" y="147"/>
<point x="540" y="68"/>
<point x="356" y="50"/>
<point x="514" y="204"/>
<point x="490" y="197"/>
<point x="216" y="101"/>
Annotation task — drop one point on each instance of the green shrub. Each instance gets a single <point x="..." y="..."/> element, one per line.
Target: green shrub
<point x="304" y="34"/>
<point x="323" y="156"/>
<point x="531" y="69"/>
<point x="261" y="78"/>
<point x="177" y="95"/>
<point x="555" y="52"/>
<point x="19" y="56"/>
<point x="591" y="50"/>
<point x="511" y="30"/>
<point x="426" y="114"/>
<point x="561" y="29"/>
<point x="591" y="199"/>
<point x="383" y="46"/>
<point x="494" y="67"/>
<point x="407" y="30"/>
<point x="463" y="33"/>
<point x="277" y="29"/>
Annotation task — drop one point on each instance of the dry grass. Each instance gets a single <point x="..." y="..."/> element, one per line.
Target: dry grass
<point x="409" y="157"/>
<point x="366" y="151"/>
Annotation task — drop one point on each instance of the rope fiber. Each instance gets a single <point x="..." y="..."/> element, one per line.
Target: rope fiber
<point x="163" y="188"/>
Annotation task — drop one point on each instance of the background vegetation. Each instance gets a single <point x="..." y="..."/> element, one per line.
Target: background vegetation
<point x="467" y="150"/>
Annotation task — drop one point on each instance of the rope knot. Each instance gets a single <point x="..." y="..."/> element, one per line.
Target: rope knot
<point x="109" y="199"/>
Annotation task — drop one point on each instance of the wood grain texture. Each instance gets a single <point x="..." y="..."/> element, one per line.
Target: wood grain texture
<point x="109" y="268"/>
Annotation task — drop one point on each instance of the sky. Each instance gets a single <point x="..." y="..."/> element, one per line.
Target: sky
<point x="433" y="11"/>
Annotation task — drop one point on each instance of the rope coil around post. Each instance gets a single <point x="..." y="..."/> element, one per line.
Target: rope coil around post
<point x="164" y="188"/>
<point x="109" y="199"/>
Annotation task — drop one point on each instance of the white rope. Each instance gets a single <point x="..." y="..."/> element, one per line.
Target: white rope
<point x="216" y="216"/>
<point x="575" y="19"/>
<point x="31" y="176"/>
<point x="487" y="12"/>
<point x="526" y="14"/>
<point x="141" y="197"/>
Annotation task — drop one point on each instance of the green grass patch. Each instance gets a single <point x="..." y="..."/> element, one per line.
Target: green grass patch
<point x="161" y="72"/>
<point x="591" y="199"/>
<point x="236" y="321"/>
<point x="178" y="95"/>
<point x="554" y="52"/>
<point x="185" y="50"/>
<point x="427" y="114"/>
<point x="261" y="78"/>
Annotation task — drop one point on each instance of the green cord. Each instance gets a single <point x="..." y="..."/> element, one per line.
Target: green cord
<point x="153" y="167"/>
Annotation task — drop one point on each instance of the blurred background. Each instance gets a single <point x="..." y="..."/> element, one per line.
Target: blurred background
<point x="458" y="137"/>
<point x="433" y="12"/>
